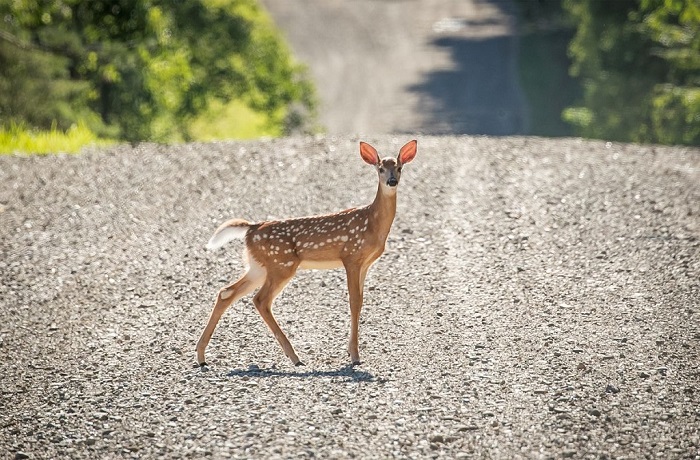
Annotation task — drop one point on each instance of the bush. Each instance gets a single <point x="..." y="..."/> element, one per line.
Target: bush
<point x="639" y="61"/>
<point x="143" y="70"/>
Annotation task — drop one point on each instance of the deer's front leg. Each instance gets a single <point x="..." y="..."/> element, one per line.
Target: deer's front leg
<point x="356" y="278"/>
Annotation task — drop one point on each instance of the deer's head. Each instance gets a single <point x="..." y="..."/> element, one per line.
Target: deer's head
<point x="389" y="169"/>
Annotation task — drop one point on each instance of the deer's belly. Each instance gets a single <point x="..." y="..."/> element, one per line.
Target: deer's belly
<point x="320" y="264"/>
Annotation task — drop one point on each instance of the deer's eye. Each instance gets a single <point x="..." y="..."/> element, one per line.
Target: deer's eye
<point x="381" y="170"/>
<point x="398" y="169"/>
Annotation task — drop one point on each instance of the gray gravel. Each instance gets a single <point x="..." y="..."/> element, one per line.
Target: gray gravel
<point x="538" y="298"/>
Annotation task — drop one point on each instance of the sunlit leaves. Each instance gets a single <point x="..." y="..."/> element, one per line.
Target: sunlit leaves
<point x="146" y="68"/>
<point x="639" y="61"/>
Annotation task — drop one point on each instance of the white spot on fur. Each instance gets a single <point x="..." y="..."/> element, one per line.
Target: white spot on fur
<point x="344" y="238"/>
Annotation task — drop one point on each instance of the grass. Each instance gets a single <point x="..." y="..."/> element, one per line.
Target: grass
<point x="234" y="120"/>
<point x="18" y="138"/>
<point x="546" y="31"/>
<point x="544" y="75"/>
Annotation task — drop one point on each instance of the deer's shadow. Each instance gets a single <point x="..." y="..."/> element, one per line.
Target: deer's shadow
<point x="348" y="372"/>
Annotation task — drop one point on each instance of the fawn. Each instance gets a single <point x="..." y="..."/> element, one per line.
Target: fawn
<point x="274" y="250"/>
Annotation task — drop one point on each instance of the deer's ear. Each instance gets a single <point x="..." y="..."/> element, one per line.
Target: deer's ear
<point x="369" y="154"/>
<point x="408" y="152"/>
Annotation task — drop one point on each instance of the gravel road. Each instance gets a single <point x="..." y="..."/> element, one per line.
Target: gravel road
<point x="538" y="299"/>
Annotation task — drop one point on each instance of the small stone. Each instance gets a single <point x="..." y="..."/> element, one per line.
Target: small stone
<point x="437" y="438"/>
<point x="568" y="453"/>
<point x="644" y="374"/>
<point x="19" y="455"/>
<point x="464" y="428"/>
<point x="612" y="389"/>
<point x="594" y="412"/>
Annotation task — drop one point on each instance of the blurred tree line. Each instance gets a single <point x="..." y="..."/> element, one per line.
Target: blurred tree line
<point x="144" y="69"/>
<point x="638" y="66"/>
<point x="639" y="61"/>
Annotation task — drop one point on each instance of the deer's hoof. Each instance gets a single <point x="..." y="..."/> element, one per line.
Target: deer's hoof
<point x="356" y="363"/>
<point x="299" y="363"/>
<point x="202" y="365"/>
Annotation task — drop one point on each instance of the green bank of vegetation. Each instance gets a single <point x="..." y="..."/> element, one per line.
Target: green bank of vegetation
<point x="134" y="70"/>
<point x="633" y="70"/>
<point x="20" y="138"/>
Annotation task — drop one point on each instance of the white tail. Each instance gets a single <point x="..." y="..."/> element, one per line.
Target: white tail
<point x="352" y="239"/>
<point x="229" y="230"/>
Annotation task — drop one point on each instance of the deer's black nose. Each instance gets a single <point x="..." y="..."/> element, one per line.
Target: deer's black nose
<point x="392" y="182"/>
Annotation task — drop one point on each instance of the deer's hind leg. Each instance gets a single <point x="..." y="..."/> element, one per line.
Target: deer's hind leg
<point x="274" y="283"/>
<point x="253" y="278"/>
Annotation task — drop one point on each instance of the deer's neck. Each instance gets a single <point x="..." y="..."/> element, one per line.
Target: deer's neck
<point x="382" y="211"/>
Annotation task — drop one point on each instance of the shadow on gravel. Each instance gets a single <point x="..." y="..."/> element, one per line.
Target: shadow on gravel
<point x="349" y="372"/>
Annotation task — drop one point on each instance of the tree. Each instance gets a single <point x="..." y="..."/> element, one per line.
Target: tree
<point x="639" y="61"/>
<point x="142" y="69"/>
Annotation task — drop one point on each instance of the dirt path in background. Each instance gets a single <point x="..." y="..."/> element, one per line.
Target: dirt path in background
<point x="436" y="66"/>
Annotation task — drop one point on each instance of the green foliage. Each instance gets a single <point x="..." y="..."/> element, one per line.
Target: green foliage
<point x="639" y="61"/>
<point x="143" y="69"/>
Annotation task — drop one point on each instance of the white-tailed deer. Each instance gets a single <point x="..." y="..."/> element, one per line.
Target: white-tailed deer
<point x="274" y="250"/>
